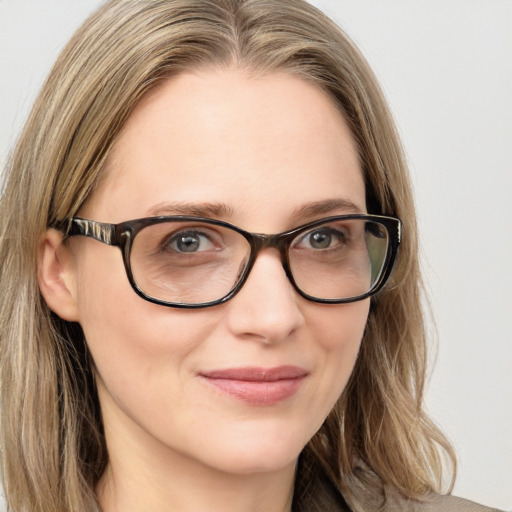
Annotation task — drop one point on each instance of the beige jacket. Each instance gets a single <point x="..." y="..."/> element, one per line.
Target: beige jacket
<point x="367" y="493"/>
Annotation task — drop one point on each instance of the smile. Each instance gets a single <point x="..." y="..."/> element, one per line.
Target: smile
<point x="257" y="386"/>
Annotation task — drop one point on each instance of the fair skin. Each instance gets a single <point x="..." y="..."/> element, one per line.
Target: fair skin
<point x="265" y="148"/>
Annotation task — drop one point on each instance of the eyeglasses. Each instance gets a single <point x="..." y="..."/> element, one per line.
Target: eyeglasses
<point x="194" y="262"/>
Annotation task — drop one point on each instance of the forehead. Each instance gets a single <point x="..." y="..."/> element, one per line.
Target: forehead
<point x="268" y="144"/>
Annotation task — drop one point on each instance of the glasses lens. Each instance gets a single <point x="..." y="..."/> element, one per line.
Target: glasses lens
<point x="342" y="259"/>
<point x="188" y="262"/>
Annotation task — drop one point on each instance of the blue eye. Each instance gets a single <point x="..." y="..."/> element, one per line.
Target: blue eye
<point x="189" y="242"/>
<point x="321" y="238"/>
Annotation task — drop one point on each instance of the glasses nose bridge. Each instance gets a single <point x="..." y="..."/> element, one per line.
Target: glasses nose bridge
<point x="262" y="241"/>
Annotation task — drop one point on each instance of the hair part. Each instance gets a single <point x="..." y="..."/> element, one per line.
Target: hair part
<point x="52" y="443"/>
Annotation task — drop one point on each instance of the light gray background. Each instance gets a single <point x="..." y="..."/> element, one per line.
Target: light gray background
<point x="446" y="68"/>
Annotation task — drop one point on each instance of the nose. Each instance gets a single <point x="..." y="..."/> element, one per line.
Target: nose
<point x="267" y="307"/>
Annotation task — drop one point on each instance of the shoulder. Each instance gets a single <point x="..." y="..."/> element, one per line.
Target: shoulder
<point x="364" y="491"/>
<point x="390" y="500"/>
<point x="370" y="494"/>
<point x="433" y="503"/>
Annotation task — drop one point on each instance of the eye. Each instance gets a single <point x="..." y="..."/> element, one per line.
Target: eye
<point x="189" y="242"/>
<point x="321" y="238"/>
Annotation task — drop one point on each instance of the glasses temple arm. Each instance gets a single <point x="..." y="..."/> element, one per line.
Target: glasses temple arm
<point x="97" y="230"/>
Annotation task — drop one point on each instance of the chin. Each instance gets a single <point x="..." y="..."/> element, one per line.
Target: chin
<point x="251" y="465"/>
<point x="256" y="453"/>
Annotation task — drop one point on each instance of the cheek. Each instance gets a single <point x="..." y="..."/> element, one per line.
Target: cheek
<point x="144" y="360"/>
<point x="339" y="328"/>
<point x="339" y="331"/>
<point x="133" y="343"/>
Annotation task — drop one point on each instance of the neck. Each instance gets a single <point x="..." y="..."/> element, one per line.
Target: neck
<point x="186" y="486"/>
<point x="143" y="474"/>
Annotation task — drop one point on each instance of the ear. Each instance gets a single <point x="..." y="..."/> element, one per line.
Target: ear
<point x="57" y="275"/>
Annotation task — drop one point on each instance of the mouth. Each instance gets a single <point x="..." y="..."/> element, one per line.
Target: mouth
<point x="257" y="386"/>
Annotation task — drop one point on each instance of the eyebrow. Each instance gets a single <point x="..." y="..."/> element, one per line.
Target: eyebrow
<point x="203" y="209"/>
<point x="329" y="206"/>
<point x="222" y="210"/>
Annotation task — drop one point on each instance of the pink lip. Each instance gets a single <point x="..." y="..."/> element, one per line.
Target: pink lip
<point x="258" y="386"/>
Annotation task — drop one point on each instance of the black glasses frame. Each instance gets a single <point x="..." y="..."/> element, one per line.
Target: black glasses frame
<point x="121" y="235"/>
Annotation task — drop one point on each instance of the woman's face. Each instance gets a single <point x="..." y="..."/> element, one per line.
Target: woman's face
<point x="266" y="154"/>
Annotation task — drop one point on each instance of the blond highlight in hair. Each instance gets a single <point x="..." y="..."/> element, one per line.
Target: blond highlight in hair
<point x="52" y="443"/>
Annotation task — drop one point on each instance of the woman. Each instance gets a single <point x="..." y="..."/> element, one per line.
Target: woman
<point x="205" y="366"/>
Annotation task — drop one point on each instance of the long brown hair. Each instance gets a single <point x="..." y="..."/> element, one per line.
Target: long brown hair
<point x="53" y="449"/>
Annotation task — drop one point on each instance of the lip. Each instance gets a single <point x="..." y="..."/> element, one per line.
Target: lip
<point x="257" y="386"/>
